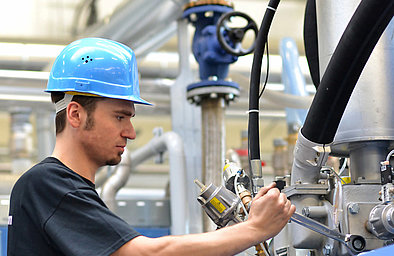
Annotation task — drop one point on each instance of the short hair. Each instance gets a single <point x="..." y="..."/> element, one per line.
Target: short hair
<point x="87" y="102"/>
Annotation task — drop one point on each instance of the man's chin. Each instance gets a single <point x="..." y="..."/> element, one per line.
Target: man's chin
<point x="113" y="161"/>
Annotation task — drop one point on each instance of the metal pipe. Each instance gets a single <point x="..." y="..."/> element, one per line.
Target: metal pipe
<point x="173" y="143"/>
<point x="294" y="82"/>
<point x="21" y="142"/>
<point x="141" y="23"/>
<point x="213" y="144"/>
<point x="365" y="157"/>
<point x="45" y="133"/>
<point x="309" y="158"/>
<point x="186" y="121"/>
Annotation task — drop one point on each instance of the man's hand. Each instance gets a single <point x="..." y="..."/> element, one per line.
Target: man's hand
<point x="269" y="212"/>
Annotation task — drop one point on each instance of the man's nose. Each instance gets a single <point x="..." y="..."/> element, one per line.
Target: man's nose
<point x="129" y="132"/>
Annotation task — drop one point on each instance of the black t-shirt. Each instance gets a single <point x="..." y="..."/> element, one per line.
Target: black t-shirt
<point x="55" y="211"/>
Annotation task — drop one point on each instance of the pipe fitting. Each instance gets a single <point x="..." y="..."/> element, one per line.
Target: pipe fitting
<point x="309" y="158"/>
<point x="381" y="221"/>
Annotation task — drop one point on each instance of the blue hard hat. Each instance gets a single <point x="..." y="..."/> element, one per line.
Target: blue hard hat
<point x="96" y="66"/>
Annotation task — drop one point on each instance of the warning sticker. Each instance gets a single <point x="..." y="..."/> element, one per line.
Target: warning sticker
<point x="217" y="204"/>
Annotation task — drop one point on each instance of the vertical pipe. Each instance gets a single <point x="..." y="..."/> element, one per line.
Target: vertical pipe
<point x="186" y="121"/>
<point x="294" y="82"/>
<point x="213" y="145"/>
<point x="21" y="142"/>
<point x="45" y="133"/>
<point x="364" y="161"/>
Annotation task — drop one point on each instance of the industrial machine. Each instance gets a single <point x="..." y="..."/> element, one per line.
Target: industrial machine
<point x="339" y="212"/>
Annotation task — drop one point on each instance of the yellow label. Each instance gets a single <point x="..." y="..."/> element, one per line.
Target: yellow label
<point x="345" y="180"/>
<point x="217" y="204"/>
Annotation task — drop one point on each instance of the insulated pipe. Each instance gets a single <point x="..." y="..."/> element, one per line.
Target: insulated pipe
<point x="141" y="23"/>
<point x="350" y="56"/>
<point x="171" y="142"/>
<point x="294" y="82"/>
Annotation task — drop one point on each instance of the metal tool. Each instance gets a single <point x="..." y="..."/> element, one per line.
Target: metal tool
<point x="354" y="243"/>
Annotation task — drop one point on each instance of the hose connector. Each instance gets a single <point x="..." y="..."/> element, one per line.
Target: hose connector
<point x="309" y="158"/>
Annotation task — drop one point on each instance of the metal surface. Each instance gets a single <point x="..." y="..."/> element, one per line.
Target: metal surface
<point x="306" y="189"/>
<point x="302" y="237"/>
<point x="309" y="157"/>
<point x="219" y="203"/>
<point x="354" y="243"/>
<point x="369" y="115"/>
<point x="365" y="157"/>
<point x="366" y="196"/>
<point x="381" y="221"/>
<point x="196" y="95"/>
<point x="186" y="122"/>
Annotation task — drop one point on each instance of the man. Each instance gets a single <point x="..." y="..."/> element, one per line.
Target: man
<point x="55" y="209"/>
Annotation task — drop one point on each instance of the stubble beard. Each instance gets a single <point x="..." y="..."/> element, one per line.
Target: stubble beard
<point x="89" y="125"/>
<point x="114" y="161"/>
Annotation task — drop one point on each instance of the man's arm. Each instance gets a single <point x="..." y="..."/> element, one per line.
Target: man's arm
<point x="270" y="211"/>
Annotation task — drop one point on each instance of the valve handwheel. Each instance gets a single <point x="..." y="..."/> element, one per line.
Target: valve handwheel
<point x="230" y="38"/>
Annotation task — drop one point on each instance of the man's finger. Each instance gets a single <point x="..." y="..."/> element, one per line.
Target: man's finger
<point x="264" y="190"/>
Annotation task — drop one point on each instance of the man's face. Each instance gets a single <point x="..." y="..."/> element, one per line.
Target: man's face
<point x="106" y="131"/>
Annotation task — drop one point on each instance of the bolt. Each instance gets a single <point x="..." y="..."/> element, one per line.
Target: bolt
<point x="213" y="95"/>
<point x="197" y="99"/>
<point x="354" y="208"/>
<point x="327" y="249"/>
<point x="193" y="17"/>
<point x="229" y="96"/>
<point x="306" y="211"/>
<point x="208" y="14"/>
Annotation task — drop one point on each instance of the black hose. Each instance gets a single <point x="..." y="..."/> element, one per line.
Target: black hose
<point x="311" y="41"/>
<point x="344" y="69"/>
<point x="253" y="125"/>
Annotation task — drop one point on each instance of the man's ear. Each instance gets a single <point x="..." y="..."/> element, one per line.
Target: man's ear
<point x="75" y="114"/>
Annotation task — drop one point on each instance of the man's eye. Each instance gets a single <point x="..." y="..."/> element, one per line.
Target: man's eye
<point x="119" y="118"/>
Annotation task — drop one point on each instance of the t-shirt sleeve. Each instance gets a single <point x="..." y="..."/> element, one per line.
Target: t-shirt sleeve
<point x="81" y="225"/>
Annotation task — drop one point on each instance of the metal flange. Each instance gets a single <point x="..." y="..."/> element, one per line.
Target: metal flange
<point x="212" y="89"/>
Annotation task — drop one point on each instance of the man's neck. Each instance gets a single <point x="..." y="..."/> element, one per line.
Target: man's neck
<point x="75" y="160"/>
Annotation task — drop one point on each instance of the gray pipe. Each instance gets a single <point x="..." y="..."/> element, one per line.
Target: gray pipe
<point x="141" y="24"/>
<point x="21" y="142"/>
<point x="173" y="143"/>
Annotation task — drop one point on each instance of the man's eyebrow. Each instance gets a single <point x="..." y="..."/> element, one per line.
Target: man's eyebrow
<point x="125" y="112"/>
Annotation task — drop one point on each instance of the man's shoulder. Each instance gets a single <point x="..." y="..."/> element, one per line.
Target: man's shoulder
<point x="40" y="172"/>
<point x="50" y="175"/>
